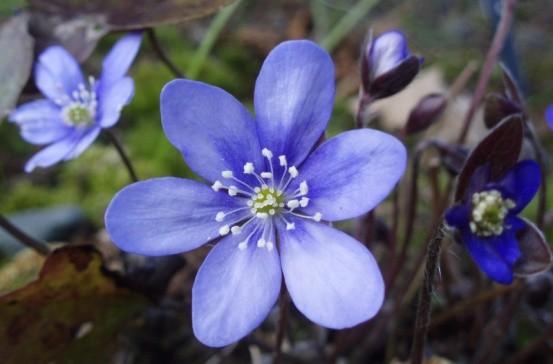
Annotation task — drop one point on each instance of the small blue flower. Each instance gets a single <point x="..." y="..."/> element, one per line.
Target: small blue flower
<point x="272" y="194"/>
<point x="75" y="110"/>
<point x="549" y="116"/>
<point x="387" y="51"/>
<point x="487" y="221"/>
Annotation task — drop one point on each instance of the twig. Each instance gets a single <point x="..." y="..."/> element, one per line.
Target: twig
<point x="500" y="36"/>
<point x="25" y="239"/>
<point x="422" y="319"/>
<point x="284" y="302"/>
<point x="162" y="55"/>
<point x="124" y="157"/>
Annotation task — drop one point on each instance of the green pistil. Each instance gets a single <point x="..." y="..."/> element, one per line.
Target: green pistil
<point x="268" y="201"/>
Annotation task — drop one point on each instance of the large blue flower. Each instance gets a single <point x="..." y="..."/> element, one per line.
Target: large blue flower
<point x="487" y="220"/>
<point x="270" y="200"/>
<point x="75" y="110"/>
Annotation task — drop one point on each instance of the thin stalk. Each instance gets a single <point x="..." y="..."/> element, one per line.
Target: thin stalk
<point x="422" y="320"/>
<point x="121" y="151"/>
<point x="215" y="28"/>
<point x="499" y="39"/>
<point x="25" y="239"/>
<point x="344" y="26"/>
<point x="540" y="159"/>
<point x="158" y="49"/>
<point x="284" y="308"/>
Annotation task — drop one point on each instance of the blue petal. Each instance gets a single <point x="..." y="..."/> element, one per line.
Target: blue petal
<point x="506" y="245"/>
<point x="294" y="97"/>
<point x="54" y="153"/>
<point x="549" y="116"/>
<point x="387" y="51"/>
<point x="57" y="73"/>
<point x="165" y="216"/>
<point x="112" y="99"/>
<point x="87" y="137"/>
<point x="119" y="59"/>
<point x="522" y="182"/>
<point x="234" y="291"/>
<point x="488" y="258"/>
<point x="40" y="122"/>
<point x="213" y="131"/>
<point x="352" y="173"/>
<point x="480" y="177"/>
<point x="332" y="278"/>
<point x="458" y="216"/>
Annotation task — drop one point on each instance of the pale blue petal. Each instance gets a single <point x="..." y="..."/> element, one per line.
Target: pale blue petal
<point x="332" y="278"/>
<point x="164" y="216"/>
<point x="119" y="59"/>
<point x="234" y="291"/>
<point x="53" y="153"/>
<point x="352" y="173"/>
<point x="112" y="99"/>
<point x="387" y="52"/>
<point x="294" y="97"/>
<point x="87" y="137"/>
<point x="57" y="73"/>
<point x="213" y="131"/>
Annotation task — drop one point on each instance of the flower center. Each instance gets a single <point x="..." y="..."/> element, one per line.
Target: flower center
<point x="80" y="108"/>
<point x="264" y="203"/>
<point x="489" y="210"/>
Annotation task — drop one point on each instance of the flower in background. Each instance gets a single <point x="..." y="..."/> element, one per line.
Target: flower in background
<point x="486" y="219"/>
<point x="387" y="65"/>
<point x="549" y="116"/>
<point x="75" y="109"/>
<point x="270" y="199"/>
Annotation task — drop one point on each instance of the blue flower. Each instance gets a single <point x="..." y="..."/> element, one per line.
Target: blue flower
<point x="549" y="116"/>
<point x="75" y="110"/>
<point x="272" y="193"/>
<point x="487" y="221"/>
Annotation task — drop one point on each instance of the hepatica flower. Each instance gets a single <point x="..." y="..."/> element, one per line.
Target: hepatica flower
<point x="74" y="109"/>
<point x="269" y="199"/>
<point x="387" y="65"/>
<point x="487" y="220"/>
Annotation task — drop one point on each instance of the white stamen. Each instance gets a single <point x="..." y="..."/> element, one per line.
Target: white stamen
<point x="243" y="245"/>
<point x="290" y="226"/>
<point x="292" y="204"/>
<point x="235" y="230"/>
<point x="224" y="230"/>
<point x="304" y="201"/>
<point x="227" y="174"/>
<point x="220" y="216"/>
<point x="262" y="215"/>
<point x="217" y="185"/>
<point x="293" y="171"/>
<point x="304" y="189"/>
<point x="282" y="160"/>
<point x="248" y="168"/>
<point x="267" y="153"/>
<point x="270" y="246"/>
<point x="261" y="243"/>
<point x="318" y="216"/>
<point x="232" y="191"/>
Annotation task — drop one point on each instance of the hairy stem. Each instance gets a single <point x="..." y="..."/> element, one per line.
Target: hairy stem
<point x="422" y="320"/>
<point x="25" y="239"/>
<point x="121" y="151"/>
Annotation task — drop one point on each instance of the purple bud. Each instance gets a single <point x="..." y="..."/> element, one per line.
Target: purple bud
<point x="387" y="65"/>
<point x="497" y="107"/>
<point x="426" y="113"/>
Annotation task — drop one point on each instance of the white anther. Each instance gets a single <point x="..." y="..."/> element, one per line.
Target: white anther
<point x="243" y="245"/>
<point x="232" y="191"/>
<point x="249" y="203"/>
<point x="292" y="204"/>
<point x="257" y="190"/>
<point x="304" y="201"/>
<point x="262" y="215"/>
<point x="293" y="171"/>
<point x="220" y="216"/>
<point x="282" y="160"/>
<point x="261" y="243"/>
<point x="217" y="185"/>
<point x="267" y="175"/>
<point x="304" y="189"/>
<point x="248" y="168"/>
<point x="318" y="216"/>
<point x="290" y="226"/>
<point x="267" y="153"/>
<point x="224" y="230"/>
<point x="235" y="230"/>
<point x="270" y="246"/>
<point x="227" y="174"/>
<point x="272" y="211"/>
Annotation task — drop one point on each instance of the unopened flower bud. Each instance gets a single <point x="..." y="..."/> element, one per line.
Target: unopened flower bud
<point x="427" y="112"/>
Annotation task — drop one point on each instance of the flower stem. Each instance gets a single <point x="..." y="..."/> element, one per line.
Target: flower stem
<point x="154" y="41"/>
<point x="124" y="157"/>
<point x="422" y="320"/>
<point x="284" y="303"/>
<point x="25" y="239"/>
<point x="499" y="39"/>
<point x="215" y="28"/>
<point x="356" y="13"/>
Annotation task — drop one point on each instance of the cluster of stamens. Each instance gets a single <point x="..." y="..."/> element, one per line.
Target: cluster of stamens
<point x="79" y="109"/>
<point x="489" y="210"/>
<point x="264" y="203"/>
